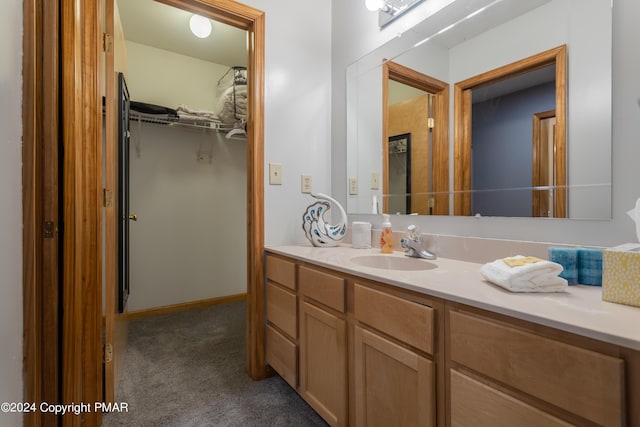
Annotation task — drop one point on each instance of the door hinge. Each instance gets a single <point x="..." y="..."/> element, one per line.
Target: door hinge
<point x="48" y="229"/>
<point x="107" y="197"/>
<point x="107" y="42"/>
<point x="431" y="123"/>
<point x="108" y="353"/>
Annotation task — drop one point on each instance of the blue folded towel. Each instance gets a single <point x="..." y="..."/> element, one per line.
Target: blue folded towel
<point x="590" y="266"/>
<point x="568" y="259"/>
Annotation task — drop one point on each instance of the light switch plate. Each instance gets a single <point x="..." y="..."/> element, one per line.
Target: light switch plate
<point x="375" y="180"/>
<point x="275" y="174"/>
<point x="305" y="184"/>
<point x="353" y="186"/>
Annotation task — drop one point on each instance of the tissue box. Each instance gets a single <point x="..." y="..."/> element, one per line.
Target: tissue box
<point x="621" y="277"/>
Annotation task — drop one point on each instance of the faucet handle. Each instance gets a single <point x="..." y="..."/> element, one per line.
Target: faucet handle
<point x="413" y="232"/>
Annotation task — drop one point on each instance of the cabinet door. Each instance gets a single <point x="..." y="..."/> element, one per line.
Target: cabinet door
<point x="394" y="386"/>
<point x="323" y="380"/>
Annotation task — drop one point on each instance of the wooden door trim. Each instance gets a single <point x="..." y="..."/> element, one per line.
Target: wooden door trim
<point x="40" y="203"/>
<point x="559" y="161"/>
<point x="462" y="114"/>
<point x="440" y="156"/>
<point x="32" y="206"/>
<point x="81" y="121"/>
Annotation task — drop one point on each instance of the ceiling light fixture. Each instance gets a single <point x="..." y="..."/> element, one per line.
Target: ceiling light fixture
<point x="374" y="5"/>
<point x="388" y="10"/>
<point x="200" y="26"/>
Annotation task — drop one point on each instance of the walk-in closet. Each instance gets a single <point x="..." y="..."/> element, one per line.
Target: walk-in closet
<point x="187" y="185"/>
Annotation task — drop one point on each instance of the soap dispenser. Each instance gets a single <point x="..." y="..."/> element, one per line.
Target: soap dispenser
<point x="386" y="237"/>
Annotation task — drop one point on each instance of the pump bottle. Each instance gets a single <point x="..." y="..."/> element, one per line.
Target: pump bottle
<point x="386" y="237"/>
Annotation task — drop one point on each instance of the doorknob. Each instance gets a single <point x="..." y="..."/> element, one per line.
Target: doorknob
<point x="133" y="217"/>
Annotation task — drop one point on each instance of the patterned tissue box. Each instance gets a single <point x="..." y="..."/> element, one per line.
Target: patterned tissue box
<point x="621" y="275"/>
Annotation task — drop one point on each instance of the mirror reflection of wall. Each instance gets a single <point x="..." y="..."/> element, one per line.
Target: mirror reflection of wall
<point x="503" y="33"/>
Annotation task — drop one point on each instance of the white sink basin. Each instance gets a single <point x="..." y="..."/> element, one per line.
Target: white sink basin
<point x="387" y="262"/>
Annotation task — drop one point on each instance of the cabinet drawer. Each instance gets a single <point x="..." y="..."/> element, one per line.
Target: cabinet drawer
<point x="282" y="355"/>
<point x="581" y="381"/>
<point x="281" y="309"/>
<point x="475" y="404"/>
<point x="405" y="320"/>
<point x="281" y="271"/>
<point x="323" y="287"/>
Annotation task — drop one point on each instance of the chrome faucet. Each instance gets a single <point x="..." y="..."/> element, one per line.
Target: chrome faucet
<point x="414" y="244"/>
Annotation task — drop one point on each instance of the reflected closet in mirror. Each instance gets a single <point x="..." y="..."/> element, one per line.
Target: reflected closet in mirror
<point x="416" y="135"/>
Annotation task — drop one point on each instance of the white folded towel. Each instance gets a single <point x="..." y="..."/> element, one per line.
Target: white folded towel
<point x="525" y="274"/>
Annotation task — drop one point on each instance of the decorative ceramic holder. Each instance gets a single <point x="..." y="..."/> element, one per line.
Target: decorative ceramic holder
<point x="315" y="225"/>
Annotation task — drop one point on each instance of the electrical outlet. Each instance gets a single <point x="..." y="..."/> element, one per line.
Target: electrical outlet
<point x="375" y="181"/>
<point x="305" y="184"/>
<point x="275" y="174"/>
<point x="353" y="186"/>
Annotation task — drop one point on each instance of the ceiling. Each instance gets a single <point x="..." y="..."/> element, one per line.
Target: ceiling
<point x="154" y="24"/>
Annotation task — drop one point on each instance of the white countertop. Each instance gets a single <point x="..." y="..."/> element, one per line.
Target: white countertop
<point x="581" y="310"/>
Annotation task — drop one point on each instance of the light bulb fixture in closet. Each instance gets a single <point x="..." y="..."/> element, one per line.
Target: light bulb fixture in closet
<point x="200" y="26"/>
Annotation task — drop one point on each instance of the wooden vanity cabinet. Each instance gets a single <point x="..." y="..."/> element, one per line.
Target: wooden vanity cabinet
<point x="368" y="354"/>
<point x="504" y="372"/>
<point x="365" y="356"/>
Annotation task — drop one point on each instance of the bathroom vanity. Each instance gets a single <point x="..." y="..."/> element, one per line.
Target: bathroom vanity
<point x="379" y="340"/>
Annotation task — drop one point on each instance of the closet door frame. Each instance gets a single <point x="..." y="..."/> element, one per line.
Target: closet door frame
<point x="80" y="36"/>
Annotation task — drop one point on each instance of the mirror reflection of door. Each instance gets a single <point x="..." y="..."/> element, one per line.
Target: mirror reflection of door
<point x="548" y="168"/>
<point x="416" y="111"/>
<point x="497" y="164"/>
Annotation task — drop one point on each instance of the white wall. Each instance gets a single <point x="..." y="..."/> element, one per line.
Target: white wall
<point x="188" y="188"/>
<point x="297" y="104"/>
<point x="11" y="208"/>
<point x="355" y="33"/>
<point x="161" y="77"/>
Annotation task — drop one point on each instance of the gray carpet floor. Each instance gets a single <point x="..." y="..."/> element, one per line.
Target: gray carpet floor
<point x="188" y="369"/>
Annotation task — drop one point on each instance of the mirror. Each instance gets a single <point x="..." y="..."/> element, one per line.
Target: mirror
<point x="458" y="44"/>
